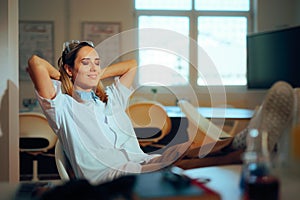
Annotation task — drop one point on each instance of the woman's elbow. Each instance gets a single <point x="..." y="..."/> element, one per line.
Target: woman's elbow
<point x="32" y="58"/>
<point x="32" y="61"/>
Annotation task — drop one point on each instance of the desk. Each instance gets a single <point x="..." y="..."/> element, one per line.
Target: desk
<point x="225" y="181"/>
<point x="208" y="112"/>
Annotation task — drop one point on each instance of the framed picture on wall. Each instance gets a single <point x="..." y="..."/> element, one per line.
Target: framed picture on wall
<point x="105" y="37"/>
<point x="35" y="37"/>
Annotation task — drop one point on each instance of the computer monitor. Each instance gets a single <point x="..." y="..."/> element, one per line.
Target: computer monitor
<point x="273" y="56"/>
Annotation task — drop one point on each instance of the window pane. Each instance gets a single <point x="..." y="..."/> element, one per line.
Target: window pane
<point x="224" y="40"/>
<point x="178" y="24"/>
<point x="232" y="5"/>
<point x="163" y="4"/>
<point x="160" y="66"/>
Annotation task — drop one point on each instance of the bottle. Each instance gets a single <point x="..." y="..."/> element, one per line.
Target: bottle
<point x="257" y="181"/>
<point x="295" y="133"/>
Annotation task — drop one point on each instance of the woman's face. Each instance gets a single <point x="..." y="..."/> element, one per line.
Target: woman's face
<point x="86" y="71"/>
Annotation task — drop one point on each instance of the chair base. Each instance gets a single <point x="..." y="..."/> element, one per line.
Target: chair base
<point x="35" y="170"/>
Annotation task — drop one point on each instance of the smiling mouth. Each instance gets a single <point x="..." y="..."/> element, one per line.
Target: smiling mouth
<point x="92" y="76"/>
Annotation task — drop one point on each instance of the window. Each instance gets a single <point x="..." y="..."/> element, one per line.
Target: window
<point x="224" y="40"/>
<point x="219" y="27"/>
<point x="167" y="67"/>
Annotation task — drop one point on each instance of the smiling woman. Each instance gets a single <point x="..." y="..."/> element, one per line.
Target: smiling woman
<point x="90" y="127"/>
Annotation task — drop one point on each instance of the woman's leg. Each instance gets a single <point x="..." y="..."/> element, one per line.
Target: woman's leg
<point x="273" y="116"/>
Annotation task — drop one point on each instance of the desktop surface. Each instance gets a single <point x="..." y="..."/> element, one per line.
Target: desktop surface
<point x="210" y="112"/>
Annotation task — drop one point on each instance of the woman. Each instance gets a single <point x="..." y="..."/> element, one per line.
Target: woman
<point x="94" y="129"/>
<point x="91" y="122"/>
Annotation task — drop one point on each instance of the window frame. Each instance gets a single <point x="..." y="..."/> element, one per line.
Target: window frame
<point x="193" y="33"/>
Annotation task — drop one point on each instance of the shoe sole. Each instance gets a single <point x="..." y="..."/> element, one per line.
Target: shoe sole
<point x="277" y="111"/>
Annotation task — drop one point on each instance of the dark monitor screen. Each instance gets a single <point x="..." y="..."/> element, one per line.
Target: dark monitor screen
<point x="273" y="56"/>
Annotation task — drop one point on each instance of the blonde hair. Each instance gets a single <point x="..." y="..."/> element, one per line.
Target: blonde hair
<point x="67" y="58"/>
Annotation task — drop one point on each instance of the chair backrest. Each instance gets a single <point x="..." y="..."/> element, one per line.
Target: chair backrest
<point x="149" y="114"/>
<point x="34" y="126"/>
<point x="63" y="165"/>
<point x="200" y="129"/>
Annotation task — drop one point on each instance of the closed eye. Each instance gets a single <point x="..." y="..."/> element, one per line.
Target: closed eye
<point x="87" y="61"/>
<point x="97" y="61"/>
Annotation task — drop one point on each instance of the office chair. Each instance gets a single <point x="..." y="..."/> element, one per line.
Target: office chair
<point x="63" y="165"/>
<point x="36" y="137"/>
<point x="150" y="118"/>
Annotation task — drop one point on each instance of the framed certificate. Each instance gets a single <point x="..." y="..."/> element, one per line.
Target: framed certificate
<point x="35" y="37"/>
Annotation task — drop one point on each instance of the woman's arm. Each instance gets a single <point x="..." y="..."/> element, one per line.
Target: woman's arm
<point x="125" y="69"/>
<point x="41" y="72"/>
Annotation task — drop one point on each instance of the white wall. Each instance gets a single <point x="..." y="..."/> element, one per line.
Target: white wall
<point x="9" y="123"/>
<point x="276" y="14"/>
<point x="297" y="13"/>
<point x="69" y="14"/>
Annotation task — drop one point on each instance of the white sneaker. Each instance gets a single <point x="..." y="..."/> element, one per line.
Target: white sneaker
<point x="273" y="116"/>
<point x="276" y="112"/>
